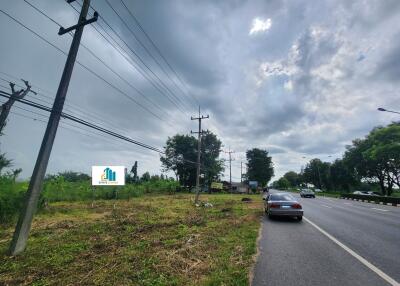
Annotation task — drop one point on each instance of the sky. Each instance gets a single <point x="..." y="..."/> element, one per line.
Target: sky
<point x="298" y="78"/>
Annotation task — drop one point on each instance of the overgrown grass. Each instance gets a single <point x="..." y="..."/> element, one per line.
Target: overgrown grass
<point x="150" y="240"/>
<point x="55" y="190"/>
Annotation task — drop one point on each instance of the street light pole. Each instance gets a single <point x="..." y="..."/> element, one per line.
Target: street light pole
<point x="385" y="110"/>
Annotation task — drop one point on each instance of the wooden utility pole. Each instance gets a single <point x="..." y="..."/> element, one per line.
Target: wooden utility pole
<point x="200" y="132"/>
<point x="15" y="95"/>
<point x="22" y="229"/>
<point x="230" y="168"/>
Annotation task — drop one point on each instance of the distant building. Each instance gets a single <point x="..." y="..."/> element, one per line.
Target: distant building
<point x="239" y="188"/>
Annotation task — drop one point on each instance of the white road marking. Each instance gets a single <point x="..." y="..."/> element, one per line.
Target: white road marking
<point x="350" y="204"/>
<point x="379" y="272"/>
<point x="380" y="209"/>
<point x="326" y="206"/>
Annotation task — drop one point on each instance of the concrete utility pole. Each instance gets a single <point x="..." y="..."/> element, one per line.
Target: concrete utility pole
<point x="230" y="168"/>
<point x="241" y="173"/>
<point x="22" y="229"/>
<point x="15" y="95"/>
<point x="200" y="132"/>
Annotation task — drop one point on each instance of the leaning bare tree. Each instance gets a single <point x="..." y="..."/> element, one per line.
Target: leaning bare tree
<point x="15" y="95"/>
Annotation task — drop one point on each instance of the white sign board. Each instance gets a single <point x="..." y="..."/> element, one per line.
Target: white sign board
<point x="108" y="175"/>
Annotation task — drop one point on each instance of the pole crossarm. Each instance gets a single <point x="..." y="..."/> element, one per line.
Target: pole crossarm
<point x="81" y="23"/>
<point x="196" y="132"/>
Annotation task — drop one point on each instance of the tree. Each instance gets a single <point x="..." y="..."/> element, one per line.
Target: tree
<point x="71" y="176"/>
<point x="281" y="184"/>
<point x="145" y="177"/>
<point x="342" y="178"/>
<point x="376" y="158"/>
<point x="259" y="166"/>
<point x="181" y="155"/>
<point x="154" y="178"/>
<point x="134" y="171"/>
<point x="4" y="162"/>
<point x="212" y="167"/>
<point x="293" y="178"/>
<point x="317" y="173"/>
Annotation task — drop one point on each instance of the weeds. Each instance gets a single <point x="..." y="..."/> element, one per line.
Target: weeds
<point x="150" y="240"/>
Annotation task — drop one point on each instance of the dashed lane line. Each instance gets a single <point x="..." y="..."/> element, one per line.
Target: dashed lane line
<point x="380" y="210"/>
<point x="329" y="207"/>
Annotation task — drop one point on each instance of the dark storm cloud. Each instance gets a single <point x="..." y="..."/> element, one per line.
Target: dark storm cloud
<point x="309" y="83"/>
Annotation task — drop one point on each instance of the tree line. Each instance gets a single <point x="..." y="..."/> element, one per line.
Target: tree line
<point x="181" y="153"/>
<point x="369" y="162"/>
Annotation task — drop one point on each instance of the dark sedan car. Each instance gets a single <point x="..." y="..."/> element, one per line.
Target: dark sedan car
<point x="305" y="193"/>
<point x="282" y="204"/>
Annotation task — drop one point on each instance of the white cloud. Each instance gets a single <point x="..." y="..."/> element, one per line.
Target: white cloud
<point x="260" y="25"/>
<point x="288" y="85"/>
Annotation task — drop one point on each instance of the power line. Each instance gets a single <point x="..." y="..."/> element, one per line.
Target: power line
<point x="66" y="123"/>
<point x="111" y="140"/>
<point x="158" y="50"/>
<point x="84" y="122"/>
<point x="91" y="125"/>
<point x="129" y="59"/>
<point x="142" y="71"/>
<point x="134" y="35"/>
<point x="83" y="66"/>
<point x="81" y="111"/>
<point x="100" y="60"/>
<point x="152" y="56"/>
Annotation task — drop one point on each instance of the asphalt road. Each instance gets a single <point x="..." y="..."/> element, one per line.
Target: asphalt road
<point x="313" y="252"/>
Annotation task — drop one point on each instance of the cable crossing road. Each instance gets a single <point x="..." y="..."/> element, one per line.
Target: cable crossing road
<point x="339" y="242"/>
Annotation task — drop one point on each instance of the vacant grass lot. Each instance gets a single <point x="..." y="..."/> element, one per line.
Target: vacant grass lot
<point x="151" y="240"/>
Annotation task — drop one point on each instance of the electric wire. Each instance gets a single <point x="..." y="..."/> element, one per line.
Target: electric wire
<point x="83" y="122"/>
<point x="90" y="125"/>
<point x="134" y="35"/>
<point x="132" y="62"/>
<point x="83" y="66"/>
<point x="146" y="49"/>
<point x="159" y="52"/>
<point x="142" y="71"/>
<point x="97" y="57"/>
<point x="81" y="112"/>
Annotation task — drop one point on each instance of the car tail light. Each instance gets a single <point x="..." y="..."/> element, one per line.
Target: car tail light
<point x="274" y="206"/>
<point x="296" y="206"/>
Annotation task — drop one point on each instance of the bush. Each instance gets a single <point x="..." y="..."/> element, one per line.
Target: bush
<point x="11" y="198"/>
<point x="377" y="199"/>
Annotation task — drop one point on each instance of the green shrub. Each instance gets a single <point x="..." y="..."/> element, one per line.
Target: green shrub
<point x="11" y="198"/>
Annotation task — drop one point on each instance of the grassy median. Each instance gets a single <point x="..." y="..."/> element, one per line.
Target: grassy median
<point x="151" y="240"/>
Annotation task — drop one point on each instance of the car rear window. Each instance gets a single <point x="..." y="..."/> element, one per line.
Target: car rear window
<point x="281" y="197"/>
